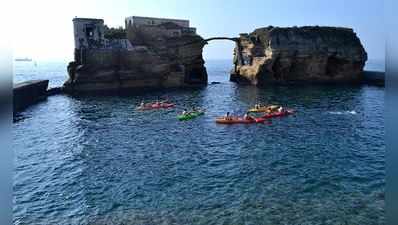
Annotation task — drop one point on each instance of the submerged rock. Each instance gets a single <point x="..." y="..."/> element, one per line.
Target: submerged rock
<point x="299" y="54"/>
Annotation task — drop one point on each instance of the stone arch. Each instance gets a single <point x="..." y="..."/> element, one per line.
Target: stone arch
<point x="199" y="75"/>
<point x="239" y="59"/>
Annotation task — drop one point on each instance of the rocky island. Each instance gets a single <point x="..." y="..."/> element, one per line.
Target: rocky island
<point x="299" y="54"/>
<point x="147" y="53"/>
<point x="162" y="53"/>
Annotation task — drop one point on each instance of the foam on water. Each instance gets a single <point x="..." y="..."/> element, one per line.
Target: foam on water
<point x="352" y="112"/>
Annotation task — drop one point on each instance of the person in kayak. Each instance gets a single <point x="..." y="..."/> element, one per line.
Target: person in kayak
<point x="281" y="109"/>
<point x="184" y="112"/>
<point x="247" y="117"/>
<point x="272" y="108"/>
<point x="228" y="116"/>
<point x="142" y="104"/>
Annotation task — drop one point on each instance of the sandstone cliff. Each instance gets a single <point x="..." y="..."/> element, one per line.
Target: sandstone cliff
<point x="145" y="58"/>
<point x="299" y="54"/>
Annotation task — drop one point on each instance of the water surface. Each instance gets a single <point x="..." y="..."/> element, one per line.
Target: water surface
<point x="95" y="160"/>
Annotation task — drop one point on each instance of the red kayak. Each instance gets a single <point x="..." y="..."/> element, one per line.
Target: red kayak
<point x="236" y="120"/>
<point x="278" y="114"/>
<point x="156" y="106"/>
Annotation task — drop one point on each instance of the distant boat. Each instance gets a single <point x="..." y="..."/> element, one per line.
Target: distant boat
<point x="23" y="59"/>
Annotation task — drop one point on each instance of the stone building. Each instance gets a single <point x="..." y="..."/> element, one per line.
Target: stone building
<point x="150" y="28"/>
<point x="152" y="21"/>
<point x="88" y="33"/>
<point x="147" y="53"/>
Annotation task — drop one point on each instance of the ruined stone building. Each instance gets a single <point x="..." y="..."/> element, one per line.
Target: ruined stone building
<point x="146" y="53"/>
<point x="88" y="33"/>
<point x="141" y="29"/>
<point x="153" y="21"/>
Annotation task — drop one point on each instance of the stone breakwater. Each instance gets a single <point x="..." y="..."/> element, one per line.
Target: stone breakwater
<point x="299" y="54"/>
<point x="28" y="93"/>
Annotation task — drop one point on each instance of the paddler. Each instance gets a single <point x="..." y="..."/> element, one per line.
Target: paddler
<point x="228" y="117"/>
<point x="281" y="109"/>
<point x="247" y="117"/>
<point x="257" y="106"/>
<point x="272" y="108"/>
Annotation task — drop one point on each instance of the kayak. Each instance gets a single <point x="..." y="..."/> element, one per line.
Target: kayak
<point x="278" y="114"/>
<point x="263" y="108"/>
<point x="190" y="115"/>
<point x="236" y="120"/>
<point x="156" y="106"/>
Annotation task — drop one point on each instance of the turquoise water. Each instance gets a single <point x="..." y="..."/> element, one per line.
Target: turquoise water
<point x="94" y="160"/>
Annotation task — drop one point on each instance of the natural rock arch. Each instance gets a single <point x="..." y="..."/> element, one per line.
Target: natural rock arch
<point x="238" y="47"/>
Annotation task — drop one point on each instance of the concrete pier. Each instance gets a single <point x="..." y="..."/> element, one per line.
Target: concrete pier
<point x="28" y="93"/>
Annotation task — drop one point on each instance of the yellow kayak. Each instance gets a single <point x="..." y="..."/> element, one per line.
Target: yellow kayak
<point x="267" y="108"/>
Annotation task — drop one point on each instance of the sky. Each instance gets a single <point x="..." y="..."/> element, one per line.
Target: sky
<point x="43" y="30"/>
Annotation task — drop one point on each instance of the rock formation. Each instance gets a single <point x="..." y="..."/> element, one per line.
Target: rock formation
<point x="299" y="54"/>
<point x="162" y="53"/>
<point x="153" y="56"/>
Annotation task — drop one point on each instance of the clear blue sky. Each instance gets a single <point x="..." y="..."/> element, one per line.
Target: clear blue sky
<point x="229" y="18"/>
<point x="211" y="18"/>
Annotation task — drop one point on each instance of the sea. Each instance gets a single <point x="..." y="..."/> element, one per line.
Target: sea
<point x="96" y="160"/>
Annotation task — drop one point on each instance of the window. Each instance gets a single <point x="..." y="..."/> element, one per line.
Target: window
<point x="90" y="32"/>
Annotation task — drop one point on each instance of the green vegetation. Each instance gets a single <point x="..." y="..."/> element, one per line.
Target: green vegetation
<point x="115" y="33"/>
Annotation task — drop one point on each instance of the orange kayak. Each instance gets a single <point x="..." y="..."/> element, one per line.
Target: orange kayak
<point x="236" y="120"/>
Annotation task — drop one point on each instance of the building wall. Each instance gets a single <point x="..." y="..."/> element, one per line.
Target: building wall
<point x="139" y="21"/>
<point x="88" y="33"/>
<point x="145" y="35"/>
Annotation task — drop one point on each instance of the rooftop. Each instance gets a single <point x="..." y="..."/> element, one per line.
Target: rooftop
<point x="144" y="17"/>
<point x="87" y="19"/>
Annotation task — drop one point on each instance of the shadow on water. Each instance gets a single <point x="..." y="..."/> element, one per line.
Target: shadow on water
<point x="26" y="112"/>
